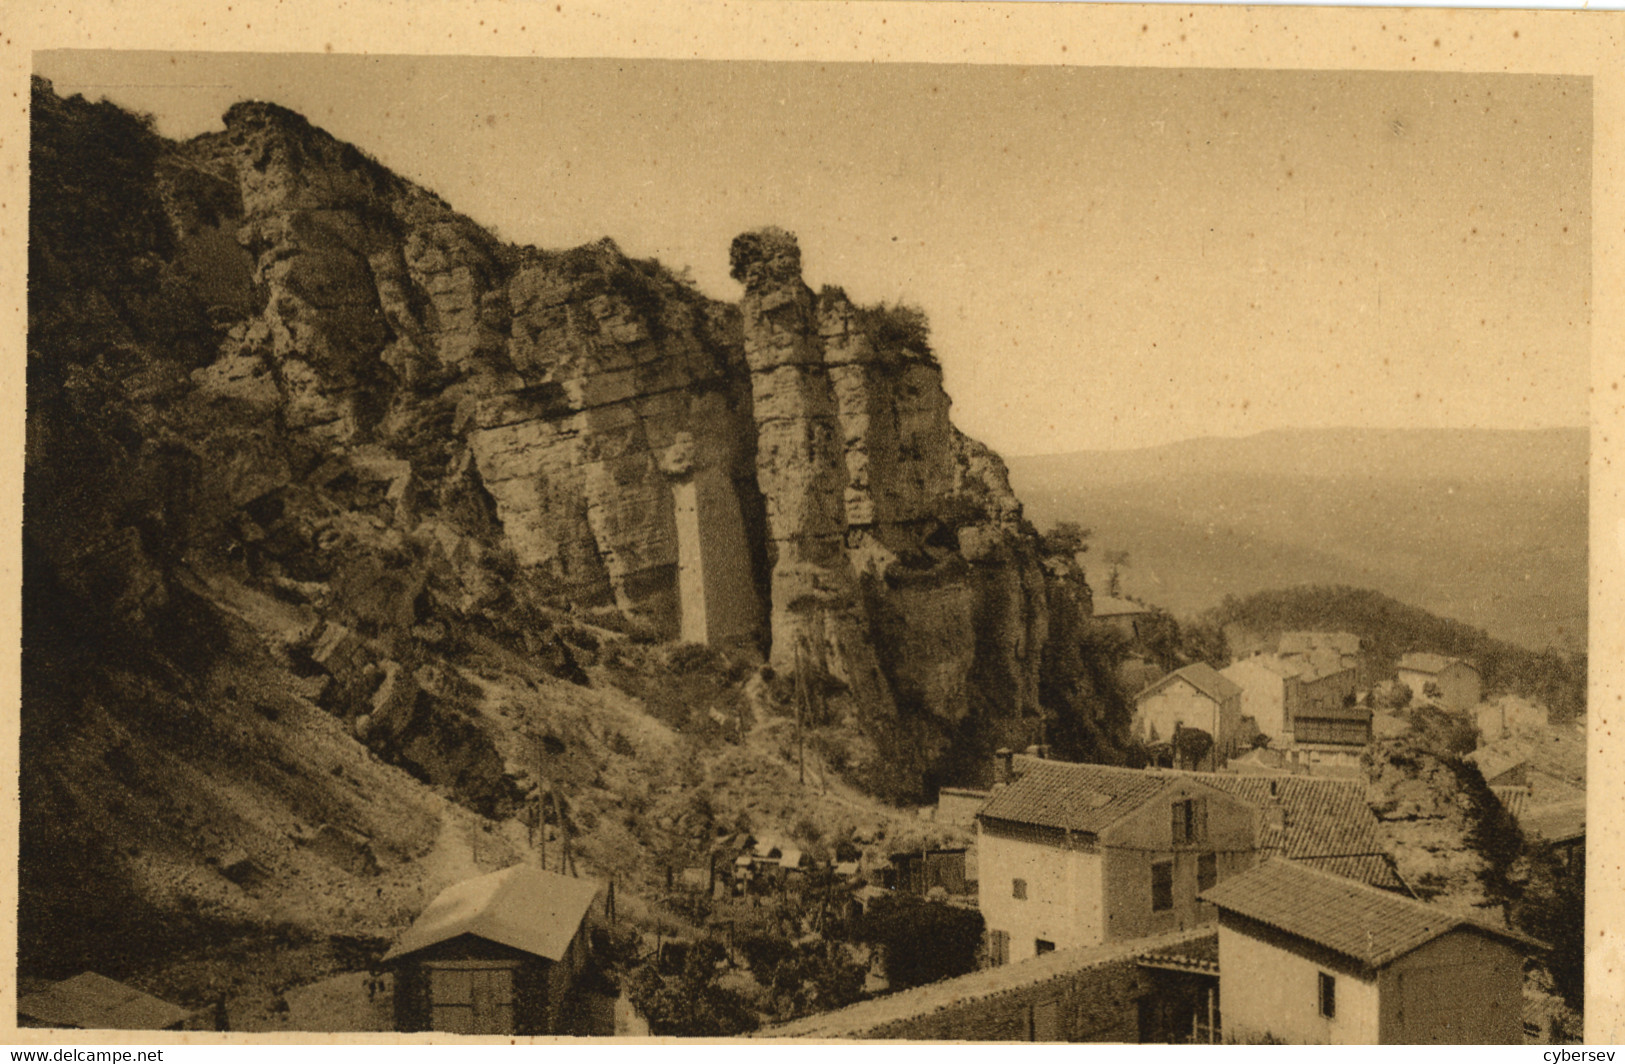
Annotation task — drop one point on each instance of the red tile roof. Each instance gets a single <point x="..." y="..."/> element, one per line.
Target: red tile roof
<point x="1374" y="927"/>
<point x="1515" y="799"/>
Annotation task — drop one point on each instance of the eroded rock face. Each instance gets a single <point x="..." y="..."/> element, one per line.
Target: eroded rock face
<point x="376" y="410"/>
<point x="884" y="521"/>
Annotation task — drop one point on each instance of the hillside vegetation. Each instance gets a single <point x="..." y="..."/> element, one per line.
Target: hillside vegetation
<point x="1390" y="628"/>
<point x="351" y="533"/>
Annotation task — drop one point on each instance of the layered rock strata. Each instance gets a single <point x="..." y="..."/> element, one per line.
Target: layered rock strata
<point x="367" y="405"/>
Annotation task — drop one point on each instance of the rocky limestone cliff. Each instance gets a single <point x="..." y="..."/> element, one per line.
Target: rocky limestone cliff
<point x="350" y="529"/>
<point x="260" y="357"/>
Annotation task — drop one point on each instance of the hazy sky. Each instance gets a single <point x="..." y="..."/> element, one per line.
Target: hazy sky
<point x="1109" y="257"/>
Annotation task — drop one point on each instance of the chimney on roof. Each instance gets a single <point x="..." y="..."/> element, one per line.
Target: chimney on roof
<point x="1039" y="750"/>
<point x="1274" y="812"/>
<point x="1003" y="766"/>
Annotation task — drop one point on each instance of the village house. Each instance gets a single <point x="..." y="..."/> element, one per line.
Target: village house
<point x="1325" y="651"/>
<point x="1561" y="825"/>
<point x="92" y="1002"/>
<point x="1121" y="614"/>
<point x="498" y="954"/>
<point x="1509" y="715"/>
<point x="1331" y="738"/>
<point x="1072" y="855"/>
<point x="1269" y="693"/>
<point x="1500" y="769"/>
<point x="1077" y="855"/>
<point x="1457" y="681"/>
<point x="1310" y="957"/>
<point x="958" y="805"/>
<point x="1196" y="696"/>
<point x="1278" y="691"/>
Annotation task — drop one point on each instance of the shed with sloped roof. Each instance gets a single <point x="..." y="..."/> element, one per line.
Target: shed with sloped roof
<point x="497" y="954"/>
<point x="92" y="1002"/>
<point x="1310" y="957"/>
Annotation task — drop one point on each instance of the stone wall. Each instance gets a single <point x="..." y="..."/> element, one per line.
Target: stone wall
<point x="1083" y="995"/>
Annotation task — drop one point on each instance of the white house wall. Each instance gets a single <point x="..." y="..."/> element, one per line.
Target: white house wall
<point x="1263" y="696"/>
<point x="1063" y="903"/>
<point x="1461" y="988"/>
<point x="1178" y="703"/>
<point x="1269" y="991"/>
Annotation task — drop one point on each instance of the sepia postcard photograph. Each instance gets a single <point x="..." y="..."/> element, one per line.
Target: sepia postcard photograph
<point x="547" y="534"/>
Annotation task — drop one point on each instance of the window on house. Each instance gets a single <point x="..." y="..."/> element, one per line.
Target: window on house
<point x="1328" y="996"/>
<point x="1043" y="946"/>
<point x="998" y="947"/>
<point x="1018" y="889"/>
<point x="1207" y="871"/>
<point x="1162" y="886"/>
<point x="1190" y="820"/>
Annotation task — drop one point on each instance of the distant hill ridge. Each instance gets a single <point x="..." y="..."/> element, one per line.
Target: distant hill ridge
<point x="1464" y="454"/>
<point x="1486" y="526"/>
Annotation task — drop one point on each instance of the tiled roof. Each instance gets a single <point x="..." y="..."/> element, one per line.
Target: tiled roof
<point x="1239" y="671"/>
<point x="1514" y="799"/>
<point x="1202" y="676"/>
<point x="1556" y="821"/>
<point x="1431" y="664"/>
<point x="1492" y="763"/>
<point x="1372" y="926"/>
<point x="870" y="1019"/>
<point x="1322" y="818"/>
<point x="1200" y="954"/>
<point x="1303" y="642"/>
<point x="1374" y="869"/>
<point x="1106" y="606"/>
<point x="1071" y="797"/>
<point x="94" y="1002"/>
<point x="521" y="906"/>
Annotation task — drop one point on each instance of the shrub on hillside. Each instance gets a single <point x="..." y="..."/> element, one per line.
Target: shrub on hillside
<point x="922" y="941"/>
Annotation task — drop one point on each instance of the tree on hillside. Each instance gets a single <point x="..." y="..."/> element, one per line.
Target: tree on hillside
<point x="922" y="941"/>
<point x="1066" y="539"/>
<point x="1205" y="641"/>
<point x="691" y="1004"/>
<point x="1388" y="628"/>
<point x="1118" y="561"/>
<point x="1191" y="746"/>
<point x="1163" y="642"/>
<point x="1552" y="908"/>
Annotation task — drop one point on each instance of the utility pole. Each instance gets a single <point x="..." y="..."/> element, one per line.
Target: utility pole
<point x="800" y="698"/>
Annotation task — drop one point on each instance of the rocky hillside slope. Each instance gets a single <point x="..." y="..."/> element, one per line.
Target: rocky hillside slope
<point x="348" y="527"/>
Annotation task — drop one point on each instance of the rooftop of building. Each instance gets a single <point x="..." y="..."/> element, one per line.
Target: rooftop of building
<point x="90" y="1001"/>
<point x="521" y="906"/>
<point x="1202" y="676"/>
<point x="1373" y="927"/>
<point x="1429" y="664"/>
<point x="1323" y="821"/>
<point x="870" y="1018"/>
<point x="1107" y="606"/>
